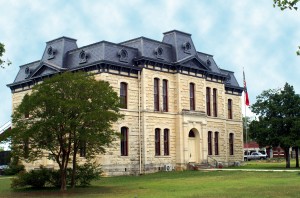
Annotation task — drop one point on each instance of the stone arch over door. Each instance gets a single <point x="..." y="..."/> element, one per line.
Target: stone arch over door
<point x="193" y="146"/>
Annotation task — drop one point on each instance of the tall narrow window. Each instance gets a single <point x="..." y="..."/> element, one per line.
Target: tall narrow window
<point x="209" y="138"/>
<point x="124" y="141"/>
<point x="156" y="94"/>
<point x="192" y="96"/>
<point x="229" y="109"/>
<point x="123" y="95"/>
<point x="165" y="95"/>
<point x="231" y="143"/>
<point x="216" y="143"/>
<point x="215" y="109"/>
<point x="208" y="101"/>
<point x="157" y="141"/>
<point x="82" y="148"/>
<point x="166" y="142"/>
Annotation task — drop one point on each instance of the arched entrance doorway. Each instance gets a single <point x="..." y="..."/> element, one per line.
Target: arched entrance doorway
<point x="193" y="151"/>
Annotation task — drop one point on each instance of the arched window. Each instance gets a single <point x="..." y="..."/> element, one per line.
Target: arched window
<point x="231" y="143"/>
<point x="216" y="143"/>
<point x="123" y="95"/>
<point x="165" y="95"/>
<point x="215" y="104"/>
<point x="157" y="141"/>
<point x="156" y="94"/>
<point x="192" y="134"/>
<point x="124" y="141"/>
<point x="192" y="96"/>
<point x="166" y="142"/>
<point x="208" y="101"/>
<point x="209" y="143"/>
<point x="229" y="109"/>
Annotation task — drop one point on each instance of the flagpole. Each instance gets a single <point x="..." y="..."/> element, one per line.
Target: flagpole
<point x="245" y="122"/>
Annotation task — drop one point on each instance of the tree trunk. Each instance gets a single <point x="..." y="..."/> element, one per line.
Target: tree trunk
<point x="287" y="158"/>
<point x="73" y="183"/>
<point x="63" y="177"/>
<point x="297" y="156"/>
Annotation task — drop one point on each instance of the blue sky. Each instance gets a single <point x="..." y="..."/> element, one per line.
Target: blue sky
<point x="249" y="34"/>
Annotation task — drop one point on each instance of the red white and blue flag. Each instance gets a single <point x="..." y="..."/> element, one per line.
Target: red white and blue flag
<point x="245" y="91"/>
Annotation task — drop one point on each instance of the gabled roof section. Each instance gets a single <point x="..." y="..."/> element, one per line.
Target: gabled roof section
<point x="193" y="62"/>
<point x="182" y="44"/>
<point x="21" y="76"/>
<point x="45" y="68"/>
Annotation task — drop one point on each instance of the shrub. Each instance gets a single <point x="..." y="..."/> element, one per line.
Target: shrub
<point x="34" y="178"/>
<point x="42" y="177"/>
<point x="86" y="173"/>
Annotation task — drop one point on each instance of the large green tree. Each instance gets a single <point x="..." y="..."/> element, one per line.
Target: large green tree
<point x="278" y="112"/>
<point x="65" y="113"/>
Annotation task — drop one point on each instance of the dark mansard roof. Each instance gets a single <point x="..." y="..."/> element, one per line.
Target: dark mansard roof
<point x="176" y="52"/>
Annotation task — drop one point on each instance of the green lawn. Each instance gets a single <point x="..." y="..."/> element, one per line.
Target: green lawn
<point x="178" y="184"/>
<point x="267" y="164"/>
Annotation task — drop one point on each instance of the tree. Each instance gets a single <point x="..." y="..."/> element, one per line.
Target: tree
<point x="2" y="62"/>
<point x="65" y="113"/>
<point x="284" y="4"/>
<point x="290" y="4"/>
<point x="278" y="111"/>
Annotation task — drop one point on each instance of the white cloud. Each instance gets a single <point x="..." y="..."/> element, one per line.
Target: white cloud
<point x="239" y="34"/>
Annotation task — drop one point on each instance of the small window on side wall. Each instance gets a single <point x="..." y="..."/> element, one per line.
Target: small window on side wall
<point x="124" y="141"/>
<point x="231" y="144"/>
<point x="123" y="95"/>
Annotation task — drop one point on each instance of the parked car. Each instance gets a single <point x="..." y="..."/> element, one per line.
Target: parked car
<point x="255" y="156"/>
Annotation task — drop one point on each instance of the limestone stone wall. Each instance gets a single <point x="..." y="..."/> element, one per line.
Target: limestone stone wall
<point x="179" y="120"/>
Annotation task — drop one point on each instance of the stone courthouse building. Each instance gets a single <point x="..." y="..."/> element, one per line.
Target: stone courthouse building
<point x="179" y="106"/>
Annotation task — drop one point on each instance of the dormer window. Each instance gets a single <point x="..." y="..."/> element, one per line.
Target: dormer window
<point x="83" y="57"/>
<point x="51" y="52"/>
<point x="27" y="72"/>
<point x="159" y="52"/>
<point x="208" y="62"/>
<point x="123" y="55"/>
<point x="187" y="47"/>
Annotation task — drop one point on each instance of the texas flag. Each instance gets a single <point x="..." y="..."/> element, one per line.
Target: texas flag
<point x="245" y="91"/>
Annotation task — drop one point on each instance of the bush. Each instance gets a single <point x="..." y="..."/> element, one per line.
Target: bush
<point x="46" y="177"/>
<point x="86" y="173"/>
<point x="34" y="178"/>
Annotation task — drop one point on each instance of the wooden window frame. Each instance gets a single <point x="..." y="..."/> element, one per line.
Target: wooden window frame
<point x="166" y="142"/>
<point x="192" y="97"/>
<point x="209" y="143"/>
<point x="216" y="143"/>
<point x="156" y="94"/>
<point x="165" y="96"/>
<point x="157" y="142"/>
<point x="215" y="103"/>
<point x="123" y="94"/>
<point x="208" y="109"/>
<point x="231" y="143"/>
<point x="124" y="141"/>
<point x="229" y="108"/>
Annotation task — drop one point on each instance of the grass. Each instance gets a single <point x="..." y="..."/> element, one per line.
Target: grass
<point x="188" y="184"/>
<point x="276" y="164"/>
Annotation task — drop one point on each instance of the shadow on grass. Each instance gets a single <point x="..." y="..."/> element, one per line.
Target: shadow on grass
<point x="55" y="192"/>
